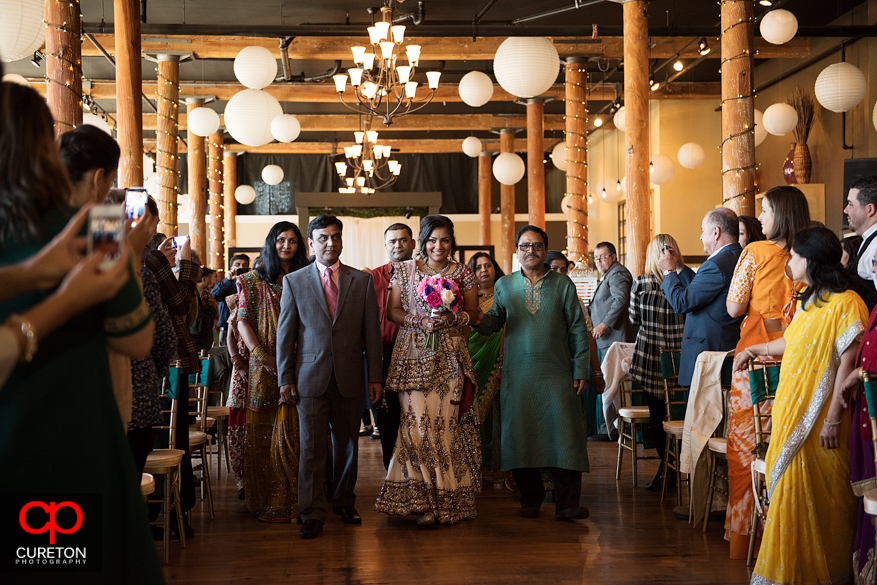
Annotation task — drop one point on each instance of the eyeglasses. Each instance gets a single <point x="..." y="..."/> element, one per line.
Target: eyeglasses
<point x="535" y="246"/>
<point x="601" y="258"/>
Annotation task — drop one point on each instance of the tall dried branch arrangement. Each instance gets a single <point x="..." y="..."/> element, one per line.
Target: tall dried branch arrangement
<point x="802" y="101"/>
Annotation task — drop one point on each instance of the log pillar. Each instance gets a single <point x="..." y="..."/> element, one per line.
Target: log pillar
<point x="230" y="183"/>
<point x="64" y="64"/>
<point x="636" y="101"/>
<point x="197" y="178"/>
<point x="129" y="91"/>
<point x="535" y="162"/>
<point x="484" y="160"/>
<point x="167" y="129"/>
<point x="738" y="114"/>
<point x="216" y="259"/>
<point x="507" y="206"/>
<point x="576" y="98"/>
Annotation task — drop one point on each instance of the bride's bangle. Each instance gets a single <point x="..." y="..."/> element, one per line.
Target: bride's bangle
<point x="749" y="353"/>
<point x="830" y="424"/>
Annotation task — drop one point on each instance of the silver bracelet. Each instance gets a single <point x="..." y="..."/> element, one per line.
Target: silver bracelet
<point x="830" y="424"/>
<point x="749" y="353"/>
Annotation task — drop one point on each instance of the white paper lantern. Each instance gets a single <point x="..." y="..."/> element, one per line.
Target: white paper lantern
<point x="245" y="194"/>
<point x="15" y="78"/>
<point x="93" y="120"/>
<point x="21" y="28"/>
<point x="624" y="184"/>
<point x="663" y="169"/>
<point x="760" y="132"/>
<point x="778" y="26"/>
<point x="620" y="119"/>
<point x="780" y="119"/>
<point x="285" y="128"/>
<point x="248" y="116"/>
<point x="203" y="121"/>
<point x="840" y="87"/>
<point x="565" y="205"/>
<point x="526" y="66"/>
<point x="255" y="67"/>
<point x="874" y="116"/>
<point x="472" y="146"/>
<point x="148" y="168"/>
<point x="272" y="174"/>
<point x="508" y="168"/>
<point x="475" y="89"/>
<point x="184" y="208"/>
<point x="558" y="156"/>
<point x="691" y="155"/>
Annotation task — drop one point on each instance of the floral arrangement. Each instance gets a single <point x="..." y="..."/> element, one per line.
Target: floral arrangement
<point x="440" y="294"/>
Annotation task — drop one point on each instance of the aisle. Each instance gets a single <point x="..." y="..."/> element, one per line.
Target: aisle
<point x="630" y="538"/>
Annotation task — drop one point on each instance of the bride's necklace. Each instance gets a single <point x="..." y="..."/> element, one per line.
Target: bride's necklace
<point x="432" y="271"/>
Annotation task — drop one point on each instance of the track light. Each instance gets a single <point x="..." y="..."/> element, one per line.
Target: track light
<point x="702" y="47"/>
<point x="598" y="122"/>
<point x="765" y="2"/>
<point x="678" y="66"/>
<point x="654" y="85"/>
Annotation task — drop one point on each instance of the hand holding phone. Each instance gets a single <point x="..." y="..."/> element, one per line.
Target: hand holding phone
<point x="106" y="234"/>
<point x="135" y="203"/>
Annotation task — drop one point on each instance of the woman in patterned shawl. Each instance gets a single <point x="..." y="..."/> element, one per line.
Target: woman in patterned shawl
<point x="271" y="442"/>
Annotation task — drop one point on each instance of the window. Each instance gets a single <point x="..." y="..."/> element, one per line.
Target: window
<point x="622" y="232"/>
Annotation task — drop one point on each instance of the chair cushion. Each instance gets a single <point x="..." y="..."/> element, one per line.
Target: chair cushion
<point x="162" y="458"/>
<point x="197" y="438"/>
<point x="641" y="412"/>
<point x="759" y="466"/>
<point x="674" y="427"/>
<point x="147" y="484"/>
<point x="870" y="501"/>
<point x="217" y="411"/>
<point x="718" y="445"/>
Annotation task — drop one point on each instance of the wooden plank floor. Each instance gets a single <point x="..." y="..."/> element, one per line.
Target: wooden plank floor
<point x="630" y="538"/>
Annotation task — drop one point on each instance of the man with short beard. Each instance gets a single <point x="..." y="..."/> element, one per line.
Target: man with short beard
<point x="861" y="211"/>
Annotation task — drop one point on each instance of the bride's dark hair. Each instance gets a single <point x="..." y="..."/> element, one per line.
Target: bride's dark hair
<point x="822" y="250"/>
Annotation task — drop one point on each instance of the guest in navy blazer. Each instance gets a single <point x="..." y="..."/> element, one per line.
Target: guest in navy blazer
<point x="708" y="327"/>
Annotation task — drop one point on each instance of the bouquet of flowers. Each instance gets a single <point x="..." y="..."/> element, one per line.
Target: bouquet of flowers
<point x="441" y="295"/>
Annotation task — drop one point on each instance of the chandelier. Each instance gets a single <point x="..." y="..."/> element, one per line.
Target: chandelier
<point x="380" y="86"/>
<point x="369" y="163"/>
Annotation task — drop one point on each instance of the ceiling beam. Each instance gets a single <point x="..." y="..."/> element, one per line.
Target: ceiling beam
<point x="434" y="48"/>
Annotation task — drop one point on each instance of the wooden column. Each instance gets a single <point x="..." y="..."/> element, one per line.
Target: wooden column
<point x="507" y="207"/>
<point x="197" y="188"/>
<point x="535" y="164"/>
<point x="738" y="114"/>
<point x="484" y="160"/>
<point x="576" y="97"/>
<point x="230" y="183"/>
<point x="64" y="64"/>
<point x="216" y="258"/>
<point x="636" y="101"/>
<point x="166" y="135"/>
<point x="129" y="94"/>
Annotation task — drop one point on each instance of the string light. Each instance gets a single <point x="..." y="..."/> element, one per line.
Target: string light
<point x="71" y="60"/>
<point x="167" y="133"/>
<point x="576" y="154"/>
<point x="216" y="208"/>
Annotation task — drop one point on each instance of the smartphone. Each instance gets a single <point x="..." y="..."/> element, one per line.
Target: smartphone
<point x="240" y="271"/>
<point x="106" y="233"/>
<point x="179" y="241"/>
<point x="135" y="203"/>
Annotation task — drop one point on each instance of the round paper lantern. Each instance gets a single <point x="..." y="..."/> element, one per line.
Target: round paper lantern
<point x="203" y="121"/>
<point x="780" y="119"/>
<point x="874" y="116"/>
<point x="15" y="78"/>
<point x="778" y="26"/>
<point x="508" y="168"/>
<point x="255" y="67"/>
<point x="558" y="156"/>
<point x="93" y="120"/>
<point x="272" y="174"/>
<point x="148" y="168"/>
<point x="620" y="119"/>
<point x="624" y="184"/>
<point x="184" y="208"/>
<point x="248" y="116"/>
<point x="840" y="87"/>
<point x="691" y="155"/>
<point x="663" y="169"/>
<point x="472" y="146"/>
<point x="760" y="132"/>
<point x="245" y="194"/>
<point x="526" y="66"/>
<point x="21" y="28"/>
<point x="475" y="89"/>
<point x="285" y="128"/>
<point x="565" y="204"/>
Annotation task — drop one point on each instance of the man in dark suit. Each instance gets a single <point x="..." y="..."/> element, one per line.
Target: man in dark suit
<point x="609" y="308"/>
<point x="328" y="316"/>
<point x="708" y="326"/>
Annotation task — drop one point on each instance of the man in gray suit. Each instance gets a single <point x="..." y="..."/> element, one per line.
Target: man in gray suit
<point x="328" y="316"/>
<point x="611" y="300"/>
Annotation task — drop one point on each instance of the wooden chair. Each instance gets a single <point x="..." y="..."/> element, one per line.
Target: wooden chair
<point x="630" y="419"/>
<point x="675" y="402"/>
<point x="718" y="448"/>
<point x="147" y="484"/>
<point x="199" y="439"/>
<point x="165" y="463"/>
<point x="869" y="500"/>
<point x="764" y="377"/>
<point x="219" y="413"/>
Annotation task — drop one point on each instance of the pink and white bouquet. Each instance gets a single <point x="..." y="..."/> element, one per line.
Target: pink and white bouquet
<point x="440" y="295"/>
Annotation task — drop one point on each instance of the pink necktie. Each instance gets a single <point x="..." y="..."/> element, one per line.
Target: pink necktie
<point x="331" y="290"/>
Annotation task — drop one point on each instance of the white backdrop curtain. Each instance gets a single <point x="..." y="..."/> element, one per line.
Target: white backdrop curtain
<point x="364" y="239"/>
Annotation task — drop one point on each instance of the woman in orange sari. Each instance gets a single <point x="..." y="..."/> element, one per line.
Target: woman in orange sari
<point x="761" y="290"/>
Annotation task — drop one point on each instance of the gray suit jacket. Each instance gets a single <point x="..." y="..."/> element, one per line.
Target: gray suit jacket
<point x="310" y="346"/>
<point x="610" y="306"/>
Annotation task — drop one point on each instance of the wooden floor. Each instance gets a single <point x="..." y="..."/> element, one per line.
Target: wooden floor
<point x="630" y="538"/>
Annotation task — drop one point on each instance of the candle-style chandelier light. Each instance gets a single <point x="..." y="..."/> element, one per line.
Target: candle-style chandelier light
<point x="381" y="86"/>
<point x="368" y="166"/>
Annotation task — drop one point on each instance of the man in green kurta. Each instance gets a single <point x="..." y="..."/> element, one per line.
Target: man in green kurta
<point x="545" y="371"/>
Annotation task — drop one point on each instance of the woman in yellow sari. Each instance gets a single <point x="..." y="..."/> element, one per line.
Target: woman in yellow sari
<point x="810" y="526"/>
<point x="761" y="290"/>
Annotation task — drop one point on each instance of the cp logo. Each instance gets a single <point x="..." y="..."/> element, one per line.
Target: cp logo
<point x="51" y="524"/>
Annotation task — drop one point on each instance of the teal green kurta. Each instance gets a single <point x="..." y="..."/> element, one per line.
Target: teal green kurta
<point x="546" y="348"/>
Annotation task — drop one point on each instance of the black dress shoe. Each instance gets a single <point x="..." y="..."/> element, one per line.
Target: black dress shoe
<point x="582" y="514"/>
<point x="655" y="486"/>
<point x="311" y="529"/>
<point x="366" y="431"/>
<point x="348" y="514"/>
<point x="241" y="495"/>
